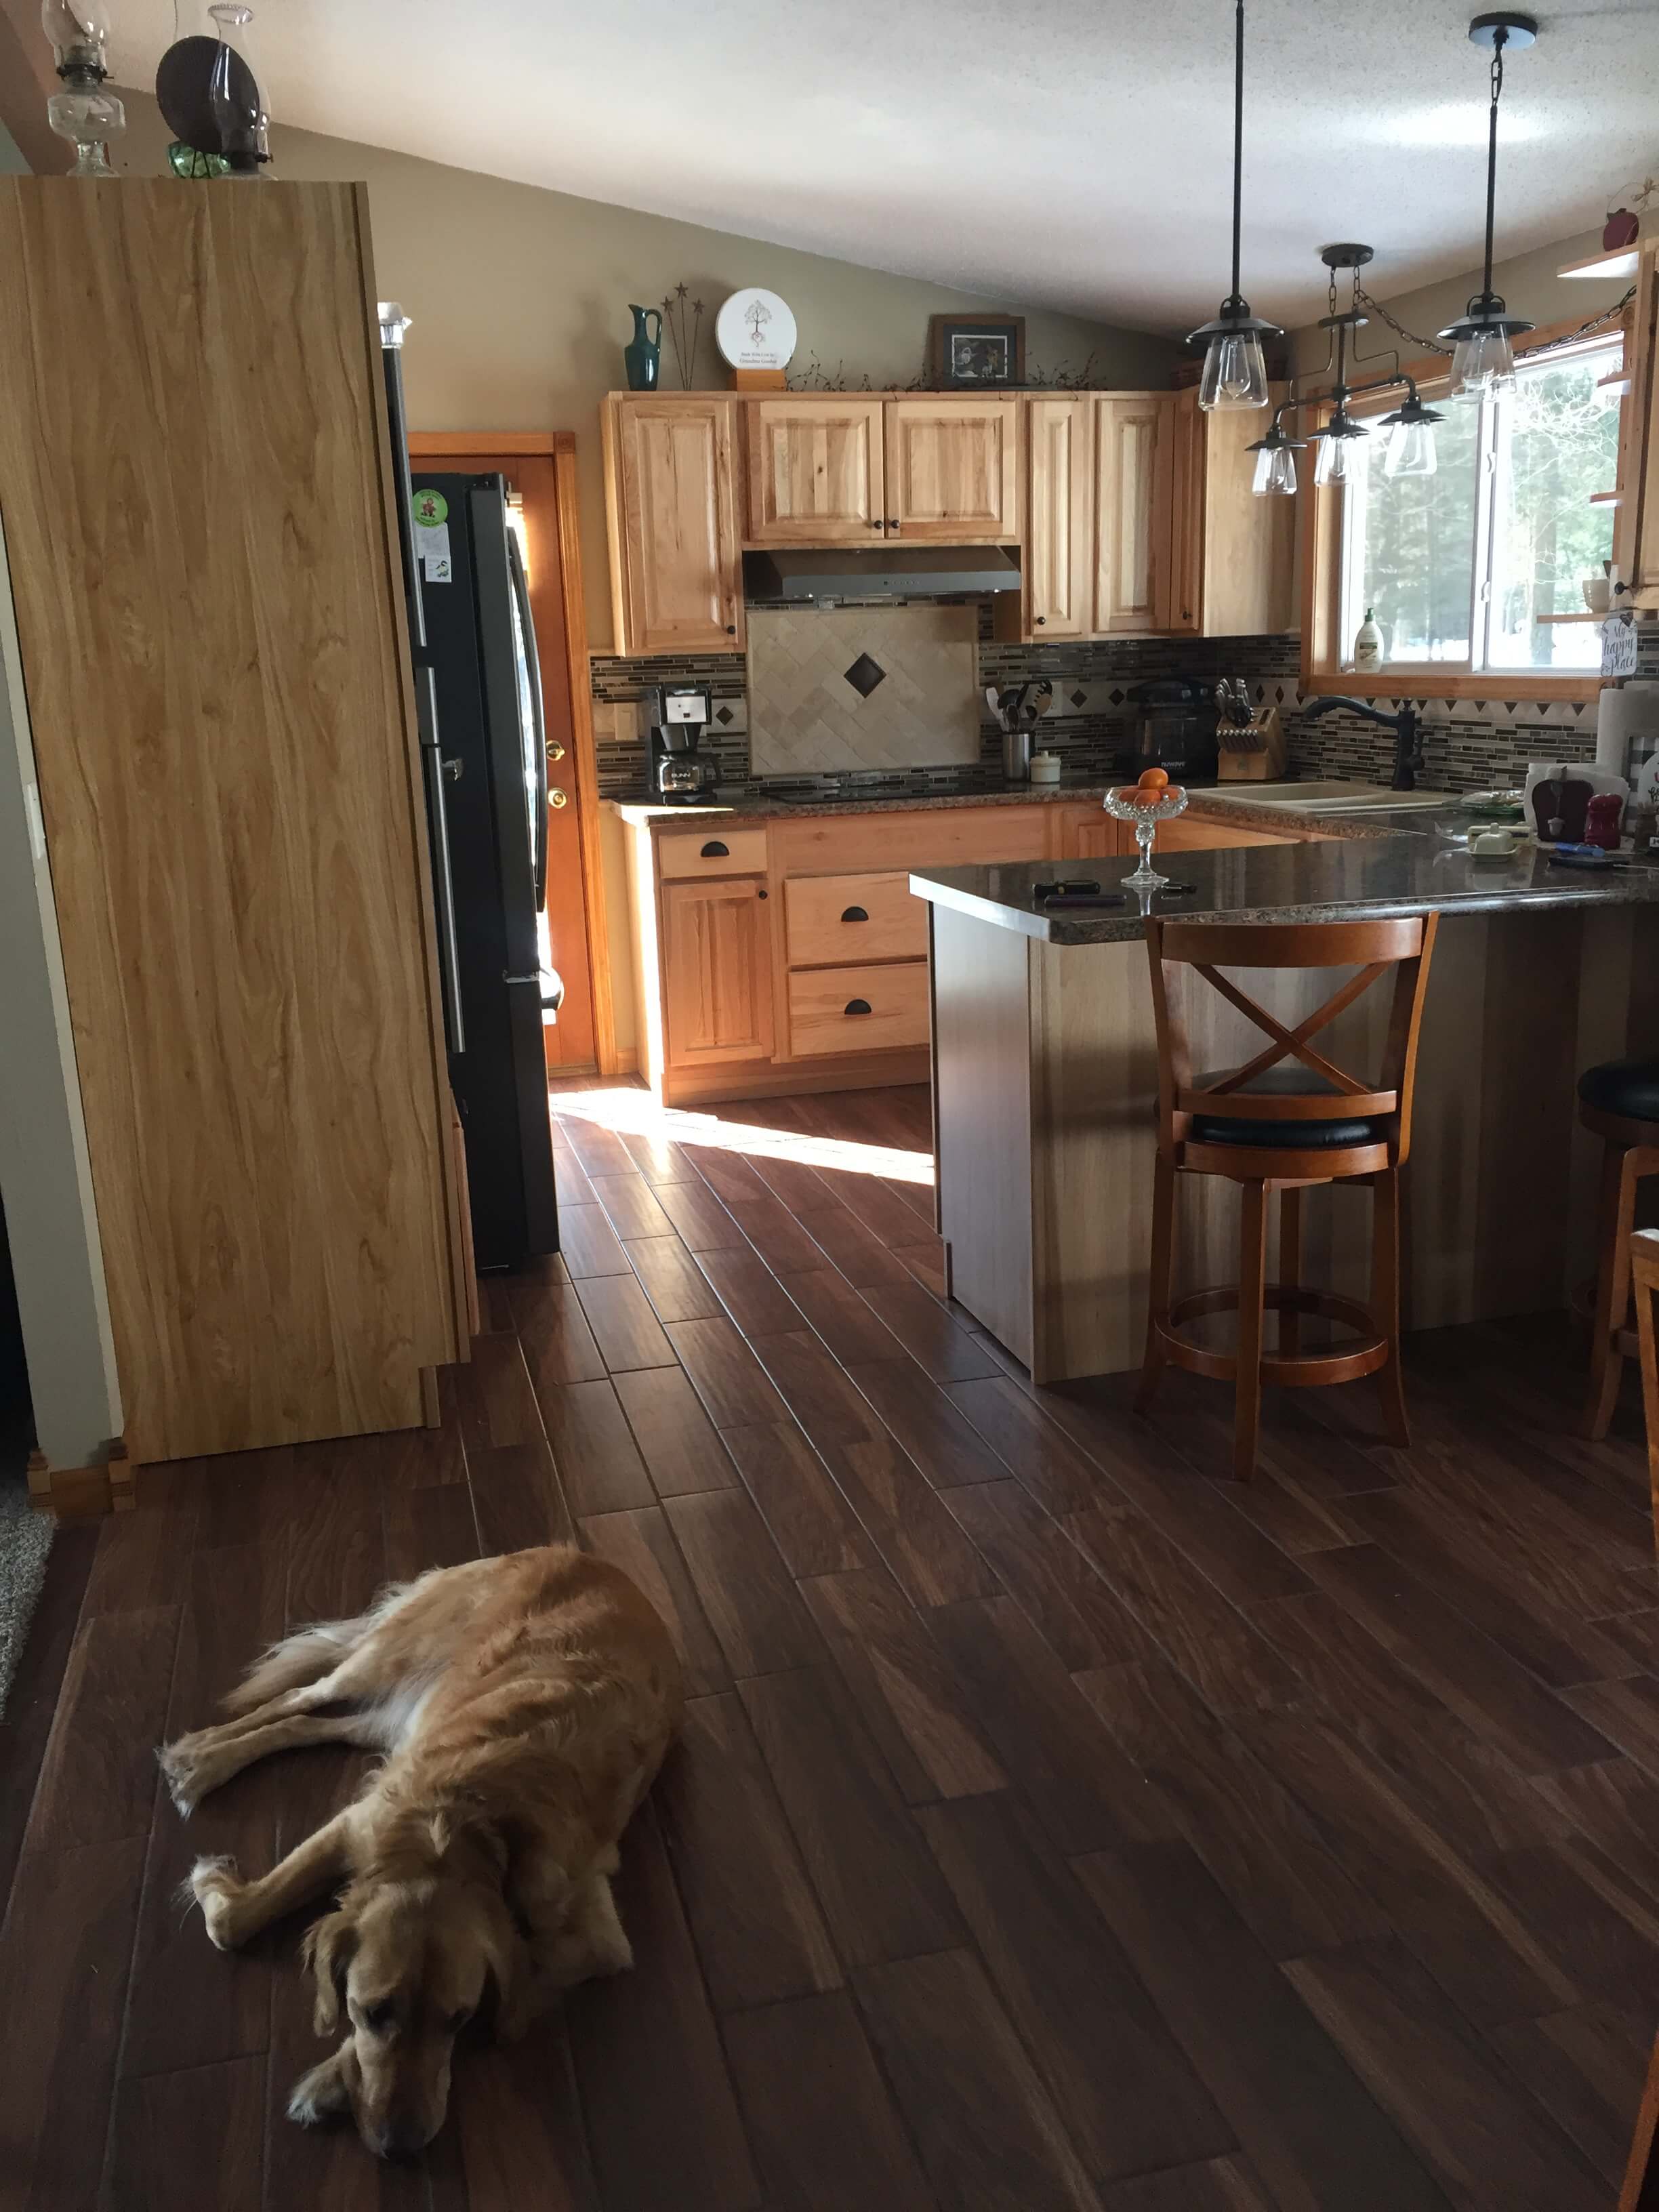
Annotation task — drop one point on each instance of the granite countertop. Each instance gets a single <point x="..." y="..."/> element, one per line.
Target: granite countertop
<point x="645" y="814"/>
<point x="656" y="815"/>
<point x="1339" y="878"/>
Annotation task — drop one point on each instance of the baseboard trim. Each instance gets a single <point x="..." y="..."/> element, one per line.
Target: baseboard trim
<point x="82" y="1493"/>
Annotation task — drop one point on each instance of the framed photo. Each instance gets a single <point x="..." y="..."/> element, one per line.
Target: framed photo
<point x="983" y="353"/>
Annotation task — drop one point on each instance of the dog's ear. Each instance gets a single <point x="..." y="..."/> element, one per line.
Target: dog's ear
<point x="326" y="1949"/>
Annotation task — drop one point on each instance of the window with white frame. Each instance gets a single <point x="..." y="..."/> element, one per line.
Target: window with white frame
<point x="1458" y="566"/>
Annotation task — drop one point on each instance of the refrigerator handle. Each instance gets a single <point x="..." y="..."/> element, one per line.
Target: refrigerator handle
<point x="532" y="671"/>
<point x="443" y="884"/>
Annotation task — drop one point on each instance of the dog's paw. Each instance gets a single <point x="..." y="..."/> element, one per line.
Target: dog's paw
<point x="181" y="1771"/>
<point x="319" y="2095"/>
<point x="217" y="1888"/>
<point x="177" y="1772"/>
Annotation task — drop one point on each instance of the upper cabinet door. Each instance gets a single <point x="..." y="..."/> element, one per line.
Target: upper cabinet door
<point x="1189" y="509"/>
<point x="679" y="572"/>
<point x="814" y="471"/>
<point x="1132" y="495"/>
<point x="1060" y="513"/>
<point x="953" y="469"/>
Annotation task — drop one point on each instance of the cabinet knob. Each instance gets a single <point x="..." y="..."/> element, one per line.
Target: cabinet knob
<point x="730" y="629"/>
<point x="857" y="1006"/>
<point x="762" y="893"/>
<point x="854" y="914"/>
<point x="713" y="850"/>
<point x="1041" y="620"/>
<point x="892" y="522"/>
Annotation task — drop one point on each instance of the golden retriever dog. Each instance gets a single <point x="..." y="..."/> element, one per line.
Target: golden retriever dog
<point x="523" y="1704"/>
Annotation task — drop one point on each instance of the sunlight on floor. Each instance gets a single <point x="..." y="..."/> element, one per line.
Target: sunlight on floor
<point x="637" y="1111"/>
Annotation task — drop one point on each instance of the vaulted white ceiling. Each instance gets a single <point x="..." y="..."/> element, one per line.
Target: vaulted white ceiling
<point x="1073" y="153"/>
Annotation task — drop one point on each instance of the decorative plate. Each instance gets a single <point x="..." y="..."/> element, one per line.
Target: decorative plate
<point x="754" y="329"/>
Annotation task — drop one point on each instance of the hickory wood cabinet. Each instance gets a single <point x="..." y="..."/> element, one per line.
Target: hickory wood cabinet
<point x="672" y="490"/>
<point x="225" y="744"/>
<point x="1141" y="521"/>
<point x="788" y="954"/>
<point x="691" y="479"/>
<point x="1134" y="508"/>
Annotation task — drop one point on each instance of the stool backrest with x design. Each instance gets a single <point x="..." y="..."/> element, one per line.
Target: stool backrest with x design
<point x="1332" y="1093"/>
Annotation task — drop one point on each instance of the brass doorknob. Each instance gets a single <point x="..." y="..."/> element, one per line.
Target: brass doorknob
<point x="557" y="797"/>
<point x="555" y="749"/>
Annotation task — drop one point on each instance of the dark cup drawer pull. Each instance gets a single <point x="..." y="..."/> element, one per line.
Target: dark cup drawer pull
<point x="857" y="1006"/>
<point x="713" y="850"/>
<point x="854" y="914"/>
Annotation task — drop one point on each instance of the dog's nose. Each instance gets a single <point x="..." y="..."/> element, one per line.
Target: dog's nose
<point x="402" y="2139"/>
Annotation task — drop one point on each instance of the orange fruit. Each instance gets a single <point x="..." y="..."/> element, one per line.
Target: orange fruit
<point x="1153" y="779"/>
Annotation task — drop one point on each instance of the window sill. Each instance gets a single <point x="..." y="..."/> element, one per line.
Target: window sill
<point x="1427" y="683"/>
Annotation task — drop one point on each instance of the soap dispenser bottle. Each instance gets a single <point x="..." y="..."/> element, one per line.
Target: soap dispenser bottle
<point x="1368" y="646"/>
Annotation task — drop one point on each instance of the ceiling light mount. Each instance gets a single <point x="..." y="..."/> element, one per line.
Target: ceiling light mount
<point x="1519" y="32"/>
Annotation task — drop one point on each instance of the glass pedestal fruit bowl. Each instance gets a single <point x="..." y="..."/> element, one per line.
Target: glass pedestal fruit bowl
<point x="1143" y="806"/>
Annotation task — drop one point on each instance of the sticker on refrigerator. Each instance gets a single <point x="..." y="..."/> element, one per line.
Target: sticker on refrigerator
<point x="431" y="511"/>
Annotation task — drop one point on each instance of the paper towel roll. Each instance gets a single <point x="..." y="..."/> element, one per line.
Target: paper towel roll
<point x="1626" y="715"/>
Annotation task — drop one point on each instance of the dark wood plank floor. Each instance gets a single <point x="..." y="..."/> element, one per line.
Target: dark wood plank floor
<point x="1055" y="1825"/>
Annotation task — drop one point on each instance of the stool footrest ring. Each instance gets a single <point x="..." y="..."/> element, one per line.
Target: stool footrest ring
<point x="1297" y="1371"/>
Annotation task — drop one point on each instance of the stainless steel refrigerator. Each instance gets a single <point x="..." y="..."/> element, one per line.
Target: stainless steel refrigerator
<point x="479" y="690"/>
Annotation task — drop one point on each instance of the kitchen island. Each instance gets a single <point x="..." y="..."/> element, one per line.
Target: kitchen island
<point x="1045" y="1075"/>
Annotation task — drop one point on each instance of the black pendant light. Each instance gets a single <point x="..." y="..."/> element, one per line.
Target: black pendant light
<point x="1234" y="374"/>
<point x="1483" y="361"/>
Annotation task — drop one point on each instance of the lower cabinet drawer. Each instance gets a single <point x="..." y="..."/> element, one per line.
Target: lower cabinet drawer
<point x="845" y="918"/>
<point x="711" y="851"/>
<point x="858" y="1009"/>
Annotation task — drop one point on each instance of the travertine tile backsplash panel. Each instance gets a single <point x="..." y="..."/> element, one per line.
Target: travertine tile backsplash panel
<point x="862" y="688"/>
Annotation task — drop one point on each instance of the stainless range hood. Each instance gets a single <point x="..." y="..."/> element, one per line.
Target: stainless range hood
<point x="890" y="572"/>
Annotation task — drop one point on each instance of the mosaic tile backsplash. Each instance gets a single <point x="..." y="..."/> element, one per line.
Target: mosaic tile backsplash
<point x="1470" y="744"/>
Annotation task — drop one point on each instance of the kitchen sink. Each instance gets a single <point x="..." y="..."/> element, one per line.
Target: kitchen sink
<point x="1316" y="797"/>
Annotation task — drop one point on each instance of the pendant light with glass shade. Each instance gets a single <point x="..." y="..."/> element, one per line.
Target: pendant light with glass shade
<point x="1483" y="357"/>
<point x="1235" y="374"/>
<point x="1343" y="441"/>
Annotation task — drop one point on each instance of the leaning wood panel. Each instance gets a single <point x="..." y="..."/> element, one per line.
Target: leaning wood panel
<point x="193" y="474"/>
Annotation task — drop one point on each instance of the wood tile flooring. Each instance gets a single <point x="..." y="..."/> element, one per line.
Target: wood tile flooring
<point x="1055" y="1825"/>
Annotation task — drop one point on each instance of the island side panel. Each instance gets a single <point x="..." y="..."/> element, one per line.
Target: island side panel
<point x="982" y="1120"/>
<point x="1094" y="1097"/>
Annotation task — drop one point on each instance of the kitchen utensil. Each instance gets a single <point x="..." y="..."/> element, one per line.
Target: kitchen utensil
<point x="1015" y="755"/>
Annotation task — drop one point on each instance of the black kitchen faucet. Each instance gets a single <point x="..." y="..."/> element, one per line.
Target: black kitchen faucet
<point x="1406" y="726"/>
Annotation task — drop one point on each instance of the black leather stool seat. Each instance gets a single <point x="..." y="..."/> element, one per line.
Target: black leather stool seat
<point x="1628" y="1087"/>
<point x="1299" y="1136"/>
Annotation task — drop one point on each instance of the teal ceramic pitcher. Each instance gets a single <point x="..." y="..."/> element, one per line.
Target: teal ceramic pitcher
<point x="641" y="353"/>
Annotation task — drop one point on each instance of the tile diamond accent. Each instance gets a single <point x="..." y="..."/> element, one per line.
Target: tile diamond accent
<point x="1078" y="698"/>
<point x="864" y="674"/>
<point x="723" y="715"/>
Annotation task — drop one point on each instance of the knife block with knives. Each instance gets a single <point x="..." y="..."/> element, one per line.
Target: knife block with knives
<point x="1252" y="752"/>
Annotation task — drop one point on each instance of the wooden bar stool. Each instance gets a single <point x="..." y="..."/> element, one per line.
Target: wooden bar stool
<point x="1269" y="1127"/>
<point x="1619" y="1101"/>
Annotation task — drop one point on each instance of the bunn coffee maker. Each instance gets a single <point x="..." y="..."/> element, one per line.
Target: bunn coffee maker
<point x="679" y="714"/>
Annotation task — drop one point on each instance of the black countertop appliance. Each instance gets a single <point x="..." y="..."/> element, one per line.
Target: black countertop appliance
<point x="1174" y="728"/>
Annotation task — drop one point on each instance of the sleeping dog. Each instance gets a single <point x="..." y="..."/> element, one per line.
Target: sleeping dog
<point x="525" y="1705"/>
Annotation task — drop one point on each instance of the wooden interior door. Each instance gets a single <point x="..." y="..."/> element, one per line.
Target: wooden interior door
<point x="953" y="470"/>
<point x="716" y="971"/>
<point x="815" y="469"/>
<point x="1059" y="536"/>
<point x="682" y="575"/>
<point x="531" y="463"/>
<point x="1131" y="505"/>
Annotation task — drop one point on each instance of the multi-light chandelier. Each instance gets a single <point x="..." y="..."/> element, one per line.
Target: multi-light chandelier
<point x="1234" y="373"/>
